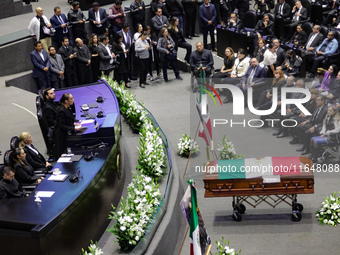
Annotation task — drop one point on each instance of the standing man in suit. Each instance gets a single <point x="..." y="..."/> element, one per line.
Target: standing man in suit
<point x="282" y="16"/>
<point x="69" y="55"/>
<point x="50" y="111"/>
<point x="175" y="9"/>
<point x="77" y="20"/>
<point x="61" y="25"/>
<point x="254" y="76"/>
<point x="127" y="40"/>
<point x="189" y="7"/>
<point x="39" y="28"/>
<point x="105" y="55"/>
<point x="158" y="22"/>
<point x="57" y="68"/>
<point x="313" y="41"/>
<point x="299" y="14"/>
<point x="117" y="16"/>
<point x="98" y="19"/>
<point x="207" y="13"/>
<point x="41" y="66"/>
<point x="83" y="62"/>
<point x="137" y="9"/>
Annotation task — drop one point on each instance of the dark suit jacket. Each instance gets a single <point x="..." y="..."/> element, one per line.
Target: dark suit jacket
<point x="318" y="120"/>
<point x="83" y="56"/>
<point x="260" y="28"/>
<point x="70" y="63"/>
<point x="64" y="126"/>
<point x="286" y="10"/>
<point x="37" y="161"/>
<point x="204" y="15"/>
<point x="206" y="59"/>
<point x="317" y="41"/>
<point x="259" y="75"/>
<point x="59" y="33"/>
<point x="25" y="174"/>
<point x="39" y="64"/>
<point x="50" y="111"/>
<point x="102" y="14"/>
<point x="238" y="25"/>
<point x="156" y="24"/>
<point x="301" y="38"/>
<point x="303" y="12"/>
<point x="104" y="58"/>
<point x="280" y="56"/>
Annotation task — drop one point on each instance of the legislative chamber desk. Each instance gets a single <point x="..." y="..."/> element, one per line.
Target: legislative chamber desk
<point x="77" y="212"/>
<point x="254" y="188"/>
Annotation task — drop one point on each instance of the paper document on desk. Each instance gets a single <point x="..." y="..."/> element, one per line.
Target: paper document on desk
<point x="89" y="121"/>
<point x="58" y="178"/>
<point x="44" y="193"/>
<point x="64" y="160"/>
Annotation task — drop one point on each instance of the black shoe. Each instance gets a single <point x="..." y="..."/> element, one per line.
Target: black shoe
<point x="305" y="152"/>
<point x="283" y="134"/>
<point x="189" y="37"/>
<point x="301" y="149"/>
<point x="142" y="86"/>
<point x="278" y="132"/>
<point x="166" y="80"/>
<point x="133" y="78"/>
<point x="179" y="78"/>
<point x="147" y="83"/>
<point x="195" y="35"/>
<point x="214" y="49"/>
<point x="294" y="141"/>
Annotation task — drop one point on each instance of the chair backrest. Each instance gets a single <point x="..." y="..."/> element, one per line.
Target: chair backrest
<point x="2" y="166"/>
<point x="271" y="16"/>
<point x="14" y="143"/>
<point x="307" y="5"/>
<point x="291" y="3"/>
<point x="8" y="161"/>
<point x="308" y="28"/>
<point x="324" y="31"/>
<point x="250" y="19"/>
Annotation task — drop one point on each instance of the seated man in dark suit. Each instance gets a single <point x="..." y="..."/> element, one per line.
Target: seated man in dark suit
<point x="41" y="66"/>
<point x="334" y="91"/>
<point x="280" y="53"/>
<point x="264" y="27"/>
<point x="235" y="22"/>
<point x="253" y="77"/>
<point x="9" y="186"/>
<point x="98" y="19"/>
<point x="313" y="41"/>
<point x="202" y="57"/>
<point x="312" y="125"/>
<point x="158" y="22"/>
<point x="298" y="15"/>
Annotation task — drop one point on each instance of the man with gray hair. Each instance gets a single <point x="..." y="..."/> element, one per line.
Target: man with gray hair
<point x="299" y="14"/>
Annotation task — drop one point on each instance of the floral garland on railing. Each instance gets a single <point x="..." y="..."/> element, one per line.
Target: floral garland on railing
<point x="151" y="160"/>
<point x="136" y="211"/>
<point x="143" y="196"/>
<point x="329" y="213"/>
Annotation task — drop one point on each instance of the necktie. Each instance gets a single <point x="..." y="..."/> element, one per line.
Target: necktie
<point x="280" y="9"/>
<point x="316" y="114"/>
<point x="250" y="78"/>
<point x="310" y="41"/>
<point x="160" y="19"/>
<point x="62" y="22"/>
<point x="208" y="12"/>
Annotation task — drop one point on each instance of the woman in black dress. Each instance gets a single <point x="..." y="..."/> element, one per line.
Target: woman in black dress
<point x="65" y="124"/>
<point x="122" y="72"/>
<point x="93" y="47"/>
<point x="228" y="64"/>
<point x="177" y="35"/>
<point x="299" y="38"/>
<point x="24" y="172"/>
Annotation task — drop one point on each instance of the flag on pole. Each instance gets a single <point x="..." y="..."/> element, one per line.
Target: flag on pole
<point x="204" y="110"/>
<point x="195" y="245"/>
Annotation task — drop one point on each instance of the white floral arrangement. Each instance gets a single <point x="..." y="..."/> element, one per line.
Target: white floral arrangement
<point x="136" y="211"/>
<point x="186" y="145"/>
<point x="223" y="248"/>
<point x="227" y="149"/>
<point x="151" y="160"/>
<point x="329" y="213"/>
<point x="129" y="106"/>
<point x="93" y="248"/>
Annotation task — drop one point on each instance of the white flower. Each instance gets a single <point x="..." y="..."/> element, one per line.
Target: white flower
<point x="137" y="238"/>
<point x="334" y="206"/>
<point x="325" y="221"/>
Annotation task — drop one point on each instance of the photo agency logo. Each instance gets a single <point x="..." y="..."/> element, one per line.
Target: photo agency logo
<point x="289" y="97"/>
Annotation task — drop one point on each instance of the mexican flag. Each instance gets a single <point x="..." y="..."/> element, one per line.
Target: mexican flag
<point x="195" y="244"/>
